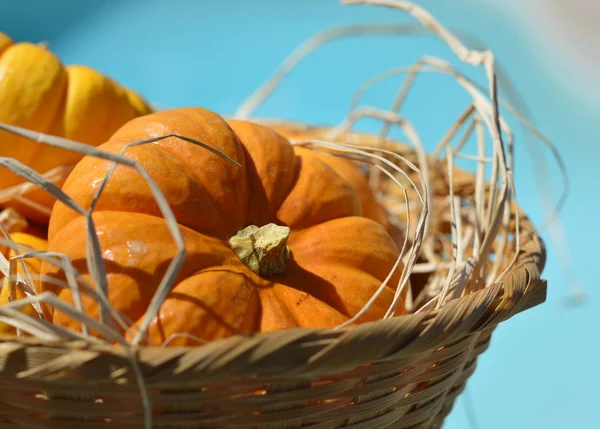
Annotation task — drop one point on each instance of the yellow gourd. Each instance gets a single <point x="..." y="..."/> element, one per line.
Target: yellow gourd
<point x="39" y="93"/>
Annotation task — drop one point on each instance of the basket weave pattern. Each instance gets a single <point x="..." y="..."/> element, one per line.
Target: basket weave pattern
<point x="301" y="379"/>
<point x="403" y="372"/>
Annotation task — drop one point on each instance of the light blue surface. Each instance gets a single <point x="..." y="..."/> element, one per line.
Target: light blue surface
<point x="542" y="369"/>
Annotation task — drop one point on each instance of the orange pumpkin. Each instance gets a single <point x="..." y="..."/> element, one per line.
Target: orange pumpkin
<point x="347" y="169"/>
<point x="20" y="233"/>
<point x="76" y="102"/>
<point x="279" y="242"/>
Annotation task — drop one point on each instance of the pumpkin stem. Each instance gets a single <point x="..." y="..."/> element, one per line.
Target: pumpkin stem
<point x="12" y="221"/>
<point x="263" y="249"/>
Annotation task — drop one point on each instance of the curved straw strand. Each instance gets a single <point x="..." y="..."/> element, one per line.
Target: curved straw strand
<point x="304" y="50"/>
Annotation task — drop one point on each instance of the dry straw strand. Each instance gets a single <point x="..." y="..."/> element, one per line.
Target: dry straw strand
<point x="94" y="255"/>
<point x="487" y="111"/>
<point x="367" y="153"/>
<point x="94" y="259"/>
<point x="446" y="322"/>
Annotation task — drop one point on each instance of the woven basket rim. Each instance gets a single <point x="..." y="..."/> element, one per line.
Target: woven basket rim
<point x="298" y="352"/>
<point x="317" y="352"/>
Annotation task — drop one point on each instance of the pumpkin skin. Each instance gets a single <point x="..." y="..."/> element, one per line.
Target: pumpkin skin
<point x="40" y="94"/>
<point x="339" y="258"/>
<point x="345" y="168"/>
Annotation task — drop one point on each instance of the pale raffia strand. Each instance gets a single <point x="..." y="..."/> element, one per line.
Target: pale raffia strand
<point x="484" y="58"/>
<point x="395" y="373"/>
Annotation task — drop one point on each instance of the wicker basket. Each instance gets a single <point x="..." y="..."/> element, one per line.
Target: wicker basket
<point x="404" y="372"/>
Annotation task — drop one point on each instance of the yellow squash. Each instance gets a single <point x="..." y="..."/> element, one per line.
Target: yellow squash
<point x="39" y="93"/>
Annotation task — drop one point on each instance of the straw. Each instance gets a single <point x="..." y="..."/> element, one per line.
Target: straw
<point x="481" y="271"/>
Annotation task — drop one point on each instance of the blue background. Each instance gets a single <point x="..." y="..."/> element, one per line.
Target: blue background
<point x="542" y="369"/>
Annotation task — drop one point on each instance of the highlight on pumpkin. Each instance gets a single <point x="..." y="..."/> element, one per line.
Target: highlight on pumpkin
<point x="39" y="93"/>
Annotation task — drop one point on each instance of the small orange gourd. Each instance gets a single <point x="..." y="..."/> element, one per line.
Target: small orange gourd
<point x="38" y="93"/>
<point x="279" y="242"/>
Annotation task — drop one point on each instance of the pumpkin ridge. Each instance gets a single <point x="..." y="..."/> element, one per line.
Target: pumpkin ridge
<point x="27" y="97"/>
<point x="38" y="149"/>
<point x="276" y="288"/>
<point x="275" y="315"/>
<point x="296" y="177"/>
<point x="330" y="240"/>
<point x="258" y="202"/>
<point x="199" y="181"/>
<point x="364" y="286"/>
<point x="223" y="182"/>
<point x="321" y="314"/>
<point x="317" y="182"/>
<point x="306" y="283"/>
<point x="135" y="257"/>
<point x="348" y="169"/>
<point x="200" y="296"/>
<point x="269" y="184"/>
<point x="146" y="201"/>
